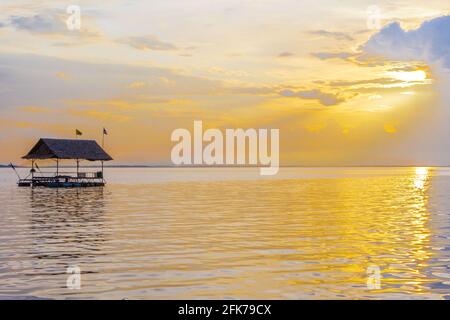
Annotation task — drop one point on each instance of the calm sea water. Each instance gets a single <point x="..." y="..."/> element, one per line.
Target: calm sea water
<point x="306" y="233"/>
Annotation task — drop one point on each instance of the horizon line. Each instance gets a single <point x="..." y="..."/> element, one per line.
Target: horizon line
<point x="235" y="166"/>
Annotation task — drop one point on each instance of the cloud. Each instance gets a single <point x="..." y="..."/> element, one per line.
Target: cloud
<point x="326" y="99"/>
<point x="137" y="85"/>
<point x="331" y="34"/>
<point x="429" y="43"/>
<point x="285" y="54"/>
<point x="34" y="109"/>
<point x="148" y="43"/>
<point x="53" y="22"/>
<point x="377" y="82"/>
<point x="227" y="72"/>
<point x="27" y="79"/>
<point x="100" y="115"/>
<point x="252" y="90"/>
<point x="406" y="68"/>
<point x="39" y="23"/>
<point x="332" y="55"/>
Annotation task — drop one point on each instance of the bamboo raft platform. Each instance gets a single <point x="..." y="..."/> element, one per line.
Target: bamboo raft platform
<point x="60" y="149"/>
<point x="64" y="181"/>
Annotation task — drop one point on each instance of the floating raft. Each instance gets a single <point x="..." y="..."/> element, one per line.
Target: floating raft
<point x="61" y="182"/>
<point x="65" y="149"/>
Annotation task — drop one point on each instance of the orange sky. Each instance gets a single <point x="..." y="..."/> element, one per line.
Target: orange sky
<point x="307" y="68"/>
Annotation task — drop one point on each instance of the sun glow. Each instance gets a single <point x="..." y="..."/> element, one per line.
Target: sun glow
<point x="409" y="76"/>
<point x="420" y="178"/>
<point x="422" y="171"/>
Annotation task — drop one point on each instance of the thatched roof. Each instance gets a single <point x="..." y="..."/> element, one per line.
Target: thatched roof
<point x="67" y="149"/>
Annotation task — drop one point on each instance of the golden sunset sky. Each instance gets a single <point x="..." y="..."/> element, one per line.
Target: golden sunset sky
<point x="341" y="91"/>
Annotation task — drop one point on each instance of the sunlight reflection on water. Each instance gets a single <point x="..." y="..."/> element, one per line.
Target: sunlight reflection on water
<point x="228" y="233"/>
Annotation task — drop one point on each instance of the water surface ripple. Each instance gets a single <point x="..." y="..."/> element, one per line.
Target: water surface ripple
<point x="160" y="233"/>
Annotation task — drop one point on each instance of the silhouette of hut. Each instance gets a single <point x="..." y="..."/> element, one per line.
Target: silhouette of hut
<point x="65" y="149"/>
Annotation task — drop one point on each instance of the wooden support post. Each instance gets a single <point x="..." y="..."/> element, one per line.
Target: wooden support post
<point x="32" y="173"/>
<point x="78" y="167"/>
<point x="57" y="167"/>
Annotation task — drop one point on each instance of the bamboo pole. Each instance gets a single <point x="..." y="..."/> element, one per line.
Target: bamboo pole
<point x="32" y="173"/>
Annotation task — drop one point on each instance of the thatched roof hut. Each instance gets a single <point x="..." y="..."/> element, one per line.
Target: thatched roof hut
<point x="67" y="149"/>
